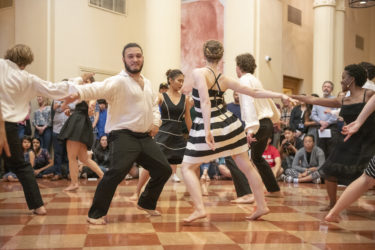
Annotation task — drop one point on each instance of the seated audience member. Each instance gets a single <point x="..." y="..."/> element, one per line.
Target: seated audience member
<point x="289" y="147"/>
<point x="29" y="155"/>
<point x="306" y="163"/>
<point x="215" y="169"/>
<point x="272" y="156"/>
<point x="100" y="155"/>
<point x="43" y="161"/>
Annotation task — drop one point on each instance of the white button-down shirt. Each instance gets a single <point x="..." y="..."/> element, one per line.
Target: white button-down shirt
<point x="129" y="106"/>
<point x="18" y="88"/>
<point x="255" y="109"/>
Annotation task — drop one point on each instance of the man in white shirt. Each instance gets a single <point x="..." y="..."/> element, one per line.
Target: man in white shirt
<point x="17" y="89"/>
<point x="258" y="115"/>
<point x="133" y="118"/>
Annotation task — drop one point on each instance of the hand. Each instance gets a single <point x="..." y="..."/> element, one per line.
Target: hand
<point x="3" y="140"/>
<point x="250" y="138"/>
<point x="70" y="99"/>
<point x="154" y="130"/>
<point x="323" y="125"/>
<point x="36" y="172"/>
<point x="350" y="129"/>
<point x="67" y="112"/>
<point x="312" y="169"/>
<point x="210" y="140"/>
<point x="289" y="100"/>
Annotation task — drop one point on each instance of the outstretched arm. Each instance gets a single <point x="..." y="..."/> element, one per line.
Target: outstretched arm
<point x="326" y="102"/>
<point x="353" y="127"/>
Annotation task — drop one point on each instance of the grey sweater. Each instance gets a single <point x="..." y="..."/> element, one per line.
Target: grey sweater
<point x="300" y="160"/>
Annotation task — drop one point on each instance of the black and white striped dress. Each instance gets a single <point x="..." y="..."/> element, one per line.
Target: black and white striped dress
<point x="229" y="135"/>
<point x="370" y="170"/>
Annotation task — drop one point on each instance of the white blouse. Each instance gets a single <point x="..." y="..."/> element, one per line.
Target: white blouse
<point x="129" y="106"/>
<point x="18" y="88"/>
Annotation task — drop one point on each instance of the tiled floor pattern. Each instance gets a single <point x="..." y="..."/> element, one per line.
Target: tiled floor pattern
<point x="294" y="221"/>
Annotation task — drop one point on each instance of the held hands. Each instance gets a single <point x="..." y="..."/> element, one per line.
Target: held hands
<point x="86" y="77"/>
<point x="210" y="140"/>
<point x="350" y="129"/>
<point x="289" y="99"/>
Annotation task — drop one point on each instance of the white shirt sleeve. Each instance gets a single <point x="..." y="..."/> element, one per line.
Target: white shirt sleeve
<point x="248" y="111"/>
<point x="98" y="90"/>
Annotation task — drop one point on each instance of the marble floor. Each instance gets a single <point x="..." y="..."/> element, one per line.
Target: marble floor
<point x="294" y="222"/>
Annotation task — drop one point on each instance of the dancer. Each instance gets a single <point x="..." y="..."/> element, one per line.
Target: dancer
<point x="77" y="131"/>
<point x="17" y="89"/>
<point x="174" y="107"/>
<point x="367" y="179"/>
<point x="348" y="159"/>
<point x="133" y="119"/>
<point x="216" y="132"/>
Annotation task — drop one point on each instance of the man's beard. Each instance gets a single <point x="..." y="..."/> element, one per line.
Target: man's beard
<point x="131" y="71"/>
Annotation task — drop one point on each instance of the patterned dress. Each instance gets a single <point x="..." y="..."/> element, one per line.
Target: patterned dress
<point x="226" y="128"/>
<point x="170" y="137"/>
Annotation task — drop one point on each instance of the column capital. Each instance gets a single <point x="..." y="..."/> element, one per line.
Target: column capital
<point x="340" y="5"/>
<point x="322" y="3"/>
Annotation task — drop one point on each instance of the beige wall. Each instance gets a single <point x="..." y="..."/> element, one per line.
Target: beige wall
<point x="361" y="22"/>
<point x="297" y="49"/>
<point x="7" y="23"/>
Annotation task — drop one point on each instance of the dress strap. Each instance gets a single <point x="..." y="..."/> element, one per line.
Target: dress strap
<point x="364" y="96"/>
<point x="216" y="79"/>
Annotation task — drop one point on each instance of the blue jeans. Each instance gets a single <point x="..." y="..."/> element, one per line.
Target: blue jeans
<point x="45" y="138"/>
<point x="60" y="156"/>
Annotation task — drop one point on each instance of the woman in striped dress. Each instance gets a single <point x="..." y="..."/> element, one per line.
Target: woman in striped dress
<point x="367" y="179"/>
<point x="216" y="132"/>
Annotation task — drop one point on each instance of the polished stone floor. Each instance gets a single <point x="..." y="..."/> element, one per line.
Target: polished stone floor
<point x="294" y="221"/>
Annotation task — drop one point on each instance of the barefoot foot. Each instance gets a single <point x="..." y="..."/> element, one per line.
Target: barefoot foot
<point x="149" y="211"/>
<point x="277" y="194"/>
<point x="99" y="221"/>
<point x="333" y="218"/>
<point x="258" y="213"/>
<point x="72" y="187"/>
<point x="40" y="211"/>
<point x="195" y="216"/>
<point x="246" y="199"/>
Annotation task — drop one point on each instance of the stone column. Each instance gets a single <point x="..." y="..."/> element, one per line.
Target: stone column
<point x="324" y="23"/>
<point x="339" y="44"/>
<point x="163" y="39"/>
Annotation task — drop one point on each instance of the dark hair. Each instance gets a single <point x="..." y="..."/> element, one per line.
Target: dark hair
<point x="36" y="138"/>
<point x="312" y="137"/>
<point x="20" y="54"/>
<point x="173" y="73"/>
<point x="27" y="138"/>
<point x="358" y="73"/>
<point x="289" y="129"/>
<point x="246" y="63"/>
<point x="131" y="45"/>
<point x="316" y="95"/>
<point x="213" y="50"/>
<point x="370" y="69"/>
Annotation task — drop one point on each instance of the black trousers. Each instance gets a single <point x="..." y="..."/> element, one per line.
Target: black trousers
<point x="127" y="147"/>
<point x="23" y="170"/>
<point x="257" y="148"/>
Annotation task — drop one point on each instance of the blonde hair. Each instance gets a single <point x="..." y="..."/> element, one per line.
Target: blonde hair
<point x="213" y="50"/>
<point x="20" y="54"/>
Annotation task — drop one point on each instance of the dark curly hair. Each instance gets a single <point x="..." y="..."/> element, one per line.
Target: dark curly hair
<point x="246" y="63"/>
<point x="213" y="50"/>
<point x="358" y="72"/>
<point x="370" y="69"/>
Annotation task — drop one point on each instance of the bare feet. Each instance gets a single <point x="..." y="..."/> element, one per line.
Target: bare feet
<point x="99" y="221"/>
<point x="40" y="211"/>
<point x="258" y="213"/>
<point x="246" y="199"/>
<point x="274" y="194"/>
<point x="72" y="187"/>
<point x="333" y="218"/>
<point x="149" y="211"/>
<point x="134" y="197"/>
<point x="195" y="216"/>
